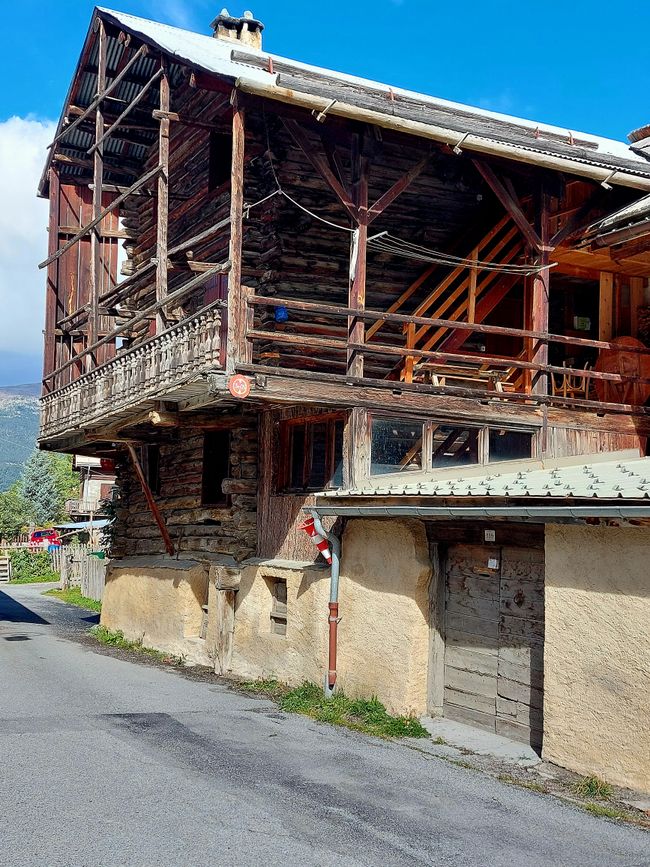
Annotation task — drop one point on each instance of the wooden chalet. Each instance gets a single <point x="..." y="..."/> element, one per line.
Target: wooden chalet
<point x="267" y="281"/>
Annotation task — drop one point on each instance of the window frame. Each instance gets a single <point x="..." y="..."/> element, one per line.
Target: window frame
<point x="287" y="428"/>
<point x="428" y="429"/>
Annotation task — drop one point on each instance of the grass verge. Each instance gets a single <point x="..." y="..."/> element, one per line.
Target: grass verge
<point x="36" y="579"/>
<point x="73" y="597"/>
<point x="362" y="715"/>
<point x="116" y="638"/>
<point x="593" y="787"/>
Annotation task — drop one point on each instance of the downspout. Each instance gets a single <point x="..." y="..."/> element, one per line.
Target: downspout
<point x="333" y="616"/>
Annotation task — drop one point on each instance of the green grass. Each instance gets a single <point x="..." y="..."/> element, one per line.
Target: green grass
<point x="116" y="638"/>
<point x="36" y="579"/>
<point x="362" y="715"/>
<point x="606" y="812"/>
<point x="524" y="784"/>
<point x="593" y="787"/>
<point x="73" y="597"/>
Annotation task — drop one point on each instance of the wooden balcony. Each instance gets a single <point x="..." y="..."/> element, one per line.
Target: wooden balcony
<point x="168" y="366"/>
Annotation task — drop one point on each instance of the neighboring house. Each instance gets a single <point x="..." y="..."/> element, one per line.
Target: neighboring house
<point x="427" y="322"/>
<point x="96" y="486"/>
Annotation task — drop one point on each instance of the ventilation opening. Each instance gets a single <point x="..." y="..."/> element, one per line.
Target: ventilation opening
<point x="278" y="616"/>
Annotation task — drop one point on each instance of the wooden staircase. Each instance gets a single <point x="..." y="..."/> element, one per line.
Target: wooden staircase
<point x="464" y="295"/>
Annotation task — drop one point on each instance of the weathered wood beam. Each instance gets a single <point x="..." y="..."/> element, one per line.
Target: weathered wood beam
<point x="540" y="294"/>
<point x="107" y="210"/>
<point x="405" y="319"/>
<point x="358" y="256"/>
<point x="162" y="212"/>
<point x="153" y="508"/>
<point x="131" y="105"/>
<point x="637" y="296"/>
<point x="96" y="263"/>
<point x="606" y="306"/>
<point x="397" y="189"/>
<point x="508" y="201"/>
<point x="238" y="351"/>
<point x="141" y="52"/>
<point x="298" y="135"/>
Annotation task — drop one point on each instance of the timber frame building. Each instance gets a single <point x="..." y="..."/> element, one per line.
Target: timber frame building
<point x="272" y="287"/>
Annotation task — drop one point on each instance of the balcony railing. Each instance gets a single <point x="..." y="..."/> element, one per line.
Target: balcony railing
<point x="152" y="370"/>
<point x="83" y="507"/>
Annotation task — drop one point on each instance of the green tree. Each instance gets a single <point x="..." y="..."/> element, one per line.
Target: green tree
<point x="65" y="478"/>
<point x="13" y="512"/>
<point x="40" y="490"/>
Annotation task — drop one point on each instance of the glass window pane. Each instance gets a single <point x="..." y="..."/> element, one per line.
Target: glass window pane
<point x="396" y="446"/>
<point x="318" y="456"/>
<point x="337" y="478"/>
<point x="454" y="446"/>
<point x="297" y="456"/>
<point x="510" y="445"/>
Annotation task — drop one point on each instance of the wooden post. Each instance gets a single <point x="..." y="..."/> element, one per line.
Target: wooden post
<point x="473" y="276"/>
<point x="356" y="448"/>
<point x="540" y="297"/>
<point x="155" y="511"/>
<point x="637" y="296"/>
<point x="53" y="307"/>
<point x="162" y="257"/>
<point x="96" y="264"/>
<point x="236" y="349"/>
<point x="358" y="253"/>
<point x="606" y="306"/>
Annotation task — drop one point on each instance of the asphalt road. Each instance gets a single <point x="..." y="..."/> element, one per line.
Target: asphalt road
<point x="110" y="762"/>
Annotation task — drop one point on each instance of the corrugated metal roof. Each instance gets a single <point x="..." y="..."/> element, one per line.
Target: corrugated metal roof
<point x="615" y="478"/>
<point x="217" y="56"/>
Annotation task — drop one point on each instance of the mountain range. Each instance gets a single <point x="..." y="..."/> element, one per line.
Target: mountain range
<point x="18" y="429"/>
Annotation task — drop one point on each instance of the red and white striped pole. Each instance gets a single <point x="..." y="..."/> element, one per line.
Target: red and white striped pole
<point x="321" y="543"/>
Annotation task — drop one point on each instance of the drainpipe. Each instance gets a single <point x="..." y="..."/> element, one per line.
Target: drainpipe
<point x="333" y="618"/>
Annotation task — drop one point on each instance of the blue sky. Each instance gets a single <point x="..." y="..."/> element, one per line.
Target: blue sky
<point x="580" y="65"/>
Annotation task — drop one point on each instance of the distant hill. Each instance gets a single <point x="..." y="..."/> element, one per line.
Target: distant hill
<point x="18" y="429"/>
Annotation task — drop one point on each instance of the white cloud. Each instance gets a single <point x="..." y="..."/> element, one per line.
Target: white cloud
<point x="23" y="235"/>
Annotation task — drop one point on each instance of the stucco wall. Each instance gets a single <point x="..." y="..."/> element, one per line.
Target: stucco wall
<point x="301" y="653"/>
<point x="597" y="652"/>
<point x="158" y="601"/>
<point x="384" y="601"/>
<point x="383" y="604"/>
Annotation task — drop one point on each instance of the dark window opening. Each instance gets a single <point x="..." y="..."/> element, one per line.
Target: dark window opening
<point x="150" y="463"/>
<point x="454" y="446"/>
<point x="278" y="588"/>
<point x="216" y="467"/>
<point x="510" y="445"/>
<point x="311" y="454"/>
<point x="220" y="157"/>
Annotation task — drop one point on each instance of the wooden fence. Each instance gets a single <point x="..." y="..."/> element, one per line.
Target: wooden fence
<point x="78" y="567"/>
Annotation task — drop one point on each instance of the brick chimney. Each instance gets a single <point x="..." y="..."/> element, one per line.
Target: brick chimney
<point x="245" y="30"/>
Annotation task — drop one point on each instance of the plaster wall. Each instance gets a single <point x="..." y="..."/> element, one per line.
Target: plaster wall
<point x="158" y="601"/>
<point x="384" y="603"/>
<point x="597" y="652"/>
<point x="299" y="655"/>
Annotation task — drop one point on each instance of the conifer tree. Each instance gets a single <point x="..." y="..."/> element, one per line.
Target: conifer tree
<point x="39" y="489"/>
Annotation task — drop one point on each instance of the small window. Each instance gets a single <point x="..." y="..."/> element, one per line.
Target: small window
<point x="216" y="467"/>
<point x="396" y="446"/>
<point x="312" y="454"/>
<point x="220" y="158"/>
<point x="278" y="588"/>
<point x="150" y="463"/>
<point x="510" y="445"/>
<point x="454" y="446"/>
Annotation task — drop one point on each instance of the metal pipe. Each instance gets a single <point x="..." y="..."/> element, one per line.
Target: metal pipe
<point x="333" y="616"/>
<point x="552" y="514"/>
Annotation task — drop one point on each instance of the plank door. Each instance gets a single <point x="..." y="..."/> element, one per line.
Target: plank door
<point x="494" y="639"/>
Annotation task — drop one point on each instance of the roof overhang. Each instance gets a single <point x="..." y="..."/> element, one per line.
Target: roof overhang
<point x="556" y="513"/>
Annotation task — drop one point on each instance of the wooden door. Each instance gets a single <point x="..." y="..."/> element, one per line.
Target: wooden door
<point x="494" y="639"/>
